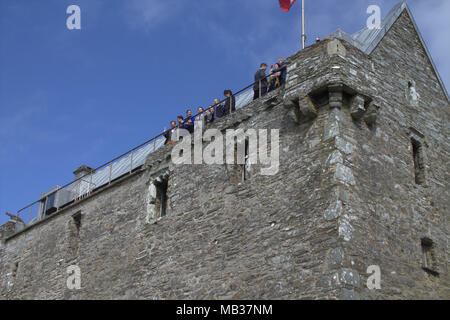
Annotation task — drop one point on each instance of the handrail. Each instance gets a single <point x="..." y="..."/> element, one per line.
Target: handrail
<point x="143" y="144"/>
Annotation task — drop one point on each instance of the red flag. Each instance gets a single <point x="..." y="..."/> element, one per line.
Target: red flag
<point x="286" y="4"/>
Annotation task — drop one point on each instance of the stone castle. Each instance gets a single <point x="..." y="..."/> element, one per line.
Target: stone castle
<point x="363" y="181"/>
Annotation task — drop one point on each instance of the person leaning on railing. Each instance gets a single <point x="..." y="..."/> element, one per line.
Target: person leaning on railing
<point x="260" y="86"/>
<point x="282" y="69"/>
<point x="170" y="135"/>
<point x="209" y="115"/>
<point x="230" y="102"/>
<point x="274" y="79"/>
<point x="200" y="118"/>
<point x="219" y="109"/>
<point x="189" y="121"/>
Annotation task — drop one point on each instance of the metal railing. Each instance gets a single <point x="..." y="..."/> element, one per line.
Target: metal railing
<point x="120" y="166"/>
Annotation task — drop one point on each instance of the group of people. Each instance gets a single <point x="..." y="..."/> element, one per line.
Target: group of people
<point x="218" y="110"/>
<point x="263" y="84"/>
<point x="267" y="83"/>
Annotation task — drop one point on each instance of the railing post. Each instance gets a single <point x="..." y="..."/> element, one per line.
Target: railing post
<point x="29" y="214"/>
<point x="90" y="183"/>
<point x="131" y="163"/>
<point x="260" y="88"/>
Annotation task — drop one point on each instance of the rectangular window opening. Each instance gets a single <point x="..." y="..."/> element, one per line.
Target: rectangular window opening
<point x="73" y="243"/>
<point x="77" y="221"/>
<point x="161" y="197"/>
<point x="419" y="163"/>
<point x="428" y="259"/>
<point x="246" y="166"/>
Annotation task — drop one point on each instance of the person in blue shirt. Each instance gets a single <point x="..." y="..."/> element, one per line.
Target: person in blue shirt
<point x="189" y="121"/>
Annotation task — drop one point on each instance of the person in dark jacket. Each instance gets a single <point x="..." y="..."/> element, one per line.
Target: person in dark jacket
<point x="282" y="69"/>
<point x="180" y="120"/>
<point x="209" y="118"/>
<point x="189" y="121"/>
<point x="274" y="79"/>
<point x="260" y="86"/>
<point x="169" y="135"/>
<point x="219" y="109"/>
<point x="230" y="103"/>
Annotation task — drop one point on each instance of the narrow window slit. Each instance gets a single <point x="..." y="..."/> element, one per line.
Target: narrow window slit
<point x="428" y="259"/>
<point x="419" y="162"/>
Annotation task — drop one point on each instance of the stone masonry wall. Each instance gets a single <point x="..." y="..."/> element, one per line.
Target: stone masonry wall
<point x="390" y="213"/>
<point x="262" y="238"/>
<point x="381" y="212"/>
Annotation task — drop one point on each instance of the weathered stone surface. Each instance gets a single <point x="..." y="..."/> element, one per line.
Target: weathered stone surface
<point x="335" y="258"/>
<point x="307" y="108"/>
<point x="349" y="295"/>
<point x="336" y="47"/>
<point x="334" y="210"/>
<point x="357" y="108"/>
<point x="371" y="115"/>
<point x="344" y="175"/>
<point x="336" y="95"/>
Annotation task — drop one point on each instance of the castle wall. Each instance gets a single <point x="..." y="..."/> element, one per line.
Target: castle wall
<point x="386" y="213"/>
<point x="221" y="238"/>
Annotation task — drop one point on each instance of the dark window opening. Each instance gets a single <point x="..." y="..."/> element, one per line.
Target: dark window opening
<point x="419" y="162"/>
<point x="74" y="226"/>
<point x="77" y="221"/>
<point x="161" y="197"/>
<point x="428" y="259"/>
<point x="246" y="166"/>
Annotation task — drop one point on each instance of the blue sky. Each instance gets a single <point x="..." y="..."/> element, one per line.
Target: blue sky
<point x="77" y="97"/>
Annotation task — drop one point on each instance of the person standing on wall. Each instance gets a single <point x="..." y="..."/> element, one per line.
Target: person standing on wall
<point x="260" y="86"/>
<point x="274" y="79"/>
<point x="230" y="102"/>
<point x="219" y="109"/>
<point x="283" y="69"/>
<point x="209" y="118"/>
<point x="189" y="121"/>
<point x="169" y="135"/>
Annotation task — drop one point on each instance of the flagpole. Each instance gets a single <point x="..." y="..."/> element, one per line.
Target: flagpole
<point x="303" y="25"/>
